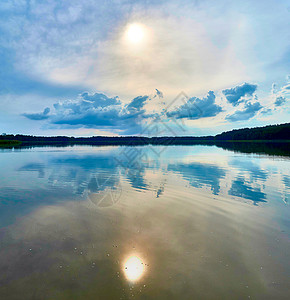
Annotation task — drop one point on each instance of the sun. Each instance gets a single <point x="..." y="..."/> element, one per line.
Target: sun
<point x="135" y="33"/>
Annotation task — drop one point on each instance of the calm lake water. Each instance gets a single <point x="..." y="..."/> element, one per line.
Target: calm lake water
<point x="194" y="222"/>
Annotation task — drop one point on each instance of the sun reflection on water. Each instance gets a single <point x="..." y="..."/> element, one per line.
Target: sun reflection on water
<point x="133" y="268"/>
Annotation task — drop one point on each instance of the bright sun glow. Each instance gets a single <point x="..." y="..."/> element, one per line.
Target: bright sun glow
<point x="134" y="268"/>
<point x="135" y="33"/>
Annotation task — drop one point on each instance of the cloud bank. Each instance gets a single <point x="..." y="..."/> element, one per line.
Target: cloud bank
<point x="237" y="94"/>
<point x="99" y="111"/>
<point x="38" y="116"/>
<point x="280" y="101"/>
<point x="196" y="108"/>
<point x="247" y="113"/>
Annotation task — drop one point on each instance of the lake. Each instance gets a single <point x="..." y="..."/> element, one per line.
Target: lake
<point x="152" y="222"/>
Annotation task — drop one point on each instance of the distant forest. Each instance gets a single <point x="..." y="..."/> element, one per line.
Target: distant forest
<point x="271" y="133"/>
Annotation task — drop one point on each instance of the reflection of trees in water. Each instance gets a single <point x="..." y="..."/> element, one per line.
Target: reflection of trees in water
<point x="271" y="148"/>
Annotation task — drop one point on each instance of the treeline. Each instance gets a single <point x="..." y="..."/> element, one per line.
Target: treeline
<point x="271" y="132"/>
<point x="106" y="140"/>
<point x="267" y="133"/>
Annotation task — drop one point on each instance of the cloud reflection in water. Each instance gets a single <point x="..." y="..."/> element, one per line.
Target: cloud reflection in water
<point x="191" y="238"/>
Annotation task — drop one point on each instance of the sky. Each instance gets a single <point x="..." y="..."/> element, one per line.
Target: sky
<point x="143" y="67"/>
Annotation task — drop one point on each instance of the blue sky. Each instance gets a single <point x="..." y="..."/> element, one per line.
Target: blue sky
<point x="115" y="67"/>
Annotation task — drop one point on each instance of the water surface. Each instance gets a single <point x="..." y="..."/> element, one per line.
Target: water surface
<point x="154" y="222"/>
